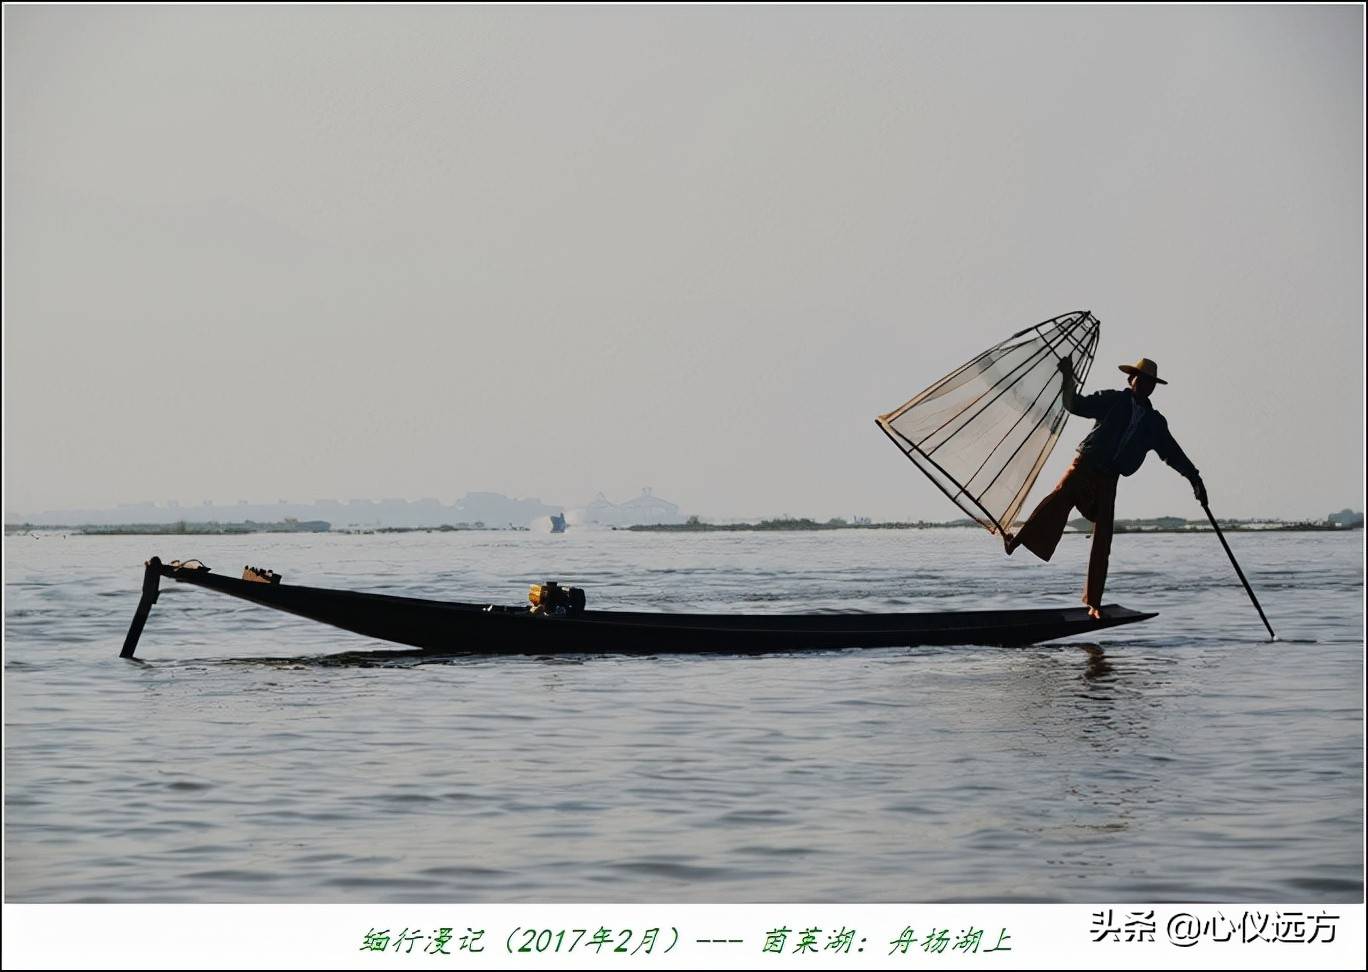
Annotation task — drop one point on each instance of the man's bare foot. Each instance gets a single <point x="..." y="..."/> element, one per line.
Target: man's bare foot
<point x="1094" y="612"/>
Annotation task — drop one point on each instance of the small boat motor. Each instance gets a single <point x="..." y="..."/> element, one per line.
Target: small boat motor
<point x="260" y="574"/>
<point x="551" y="598"/>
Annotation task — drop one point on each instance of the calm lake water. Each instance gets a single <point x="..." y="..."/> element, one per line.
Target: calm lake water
<point x="1185" y="758"/>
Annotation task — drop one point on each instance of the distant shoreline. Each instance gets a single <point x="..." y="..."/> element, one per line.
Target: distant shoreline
<point x="1122" y="526"/>
<point x="799" y="525"/>
<point x="247" y="527"/>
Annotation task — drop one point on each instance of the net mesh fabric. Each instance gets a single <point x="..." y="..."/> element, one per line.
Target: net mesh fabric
<point x="983" y="432"/>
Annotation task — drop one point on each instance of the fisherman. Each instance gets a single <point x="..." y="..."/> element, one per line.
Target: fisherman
<point x="1127" y="428"/>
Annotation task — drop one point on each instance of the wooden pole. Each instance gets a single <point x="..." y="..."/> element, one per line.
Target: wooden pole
<point x="151" y="587"/>
<point x="1249" y="590"/>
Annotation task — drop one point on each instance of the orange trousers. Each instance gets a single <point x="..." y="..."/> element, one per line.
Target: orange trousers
<point x="1093" y="493"/>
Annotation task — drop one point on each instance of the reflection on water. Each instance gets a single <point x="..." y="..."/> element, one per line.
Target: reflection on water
<point x="251" y="756"/>
<point x="1098" y="666"/>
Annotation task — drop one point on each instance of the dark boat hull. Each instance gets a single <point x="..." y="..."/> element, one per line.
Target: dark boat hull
<point x="445" y="627"/>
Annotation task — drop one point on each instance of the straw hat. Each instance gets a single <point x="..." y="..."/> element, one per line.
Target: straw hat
<point x="1144" y="367"/>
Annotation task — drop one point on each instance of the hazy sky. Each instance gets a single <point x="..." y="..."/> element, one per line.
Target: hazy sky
<point x="383" y="251"/>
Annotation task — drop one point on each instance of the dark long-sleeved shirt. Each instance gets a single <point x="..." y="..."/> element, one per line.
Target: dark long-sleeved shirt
<point x="1127" y="428"/>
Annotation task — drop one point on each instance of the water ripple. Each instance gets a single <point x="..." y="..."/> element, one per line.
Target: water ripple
<point x="252" y="756"/>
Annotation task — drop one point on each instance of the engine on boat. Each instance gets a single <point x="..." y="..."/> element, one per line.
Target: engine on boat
<point x="260" y="574"/>
<point x="550" y="598"/>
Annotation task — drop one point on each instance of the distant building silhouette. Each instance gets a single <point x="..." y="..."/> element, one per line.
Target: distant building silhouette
<point x="644" y="510"/>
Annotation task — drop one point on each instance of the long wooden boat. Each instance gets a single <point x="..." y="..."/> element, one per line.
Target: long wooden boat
<point x="451" y="627"/>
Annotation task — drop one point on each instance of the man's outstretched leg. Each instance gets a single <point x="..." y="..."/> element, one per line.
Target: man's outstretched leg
<point x="1041" y="532"/>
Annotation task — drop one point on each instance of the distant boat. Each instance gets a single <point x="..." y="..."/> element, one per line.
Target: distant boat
<point x="557" y="522"/>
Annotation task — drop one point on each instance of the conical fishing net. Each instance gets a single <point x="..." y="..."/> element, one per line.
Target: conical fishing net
<point x="984" y="431"/>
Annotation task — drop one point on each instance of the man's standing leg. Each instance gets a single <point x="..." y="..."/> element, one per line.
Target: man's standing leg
<point x="1103" y="526"/>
